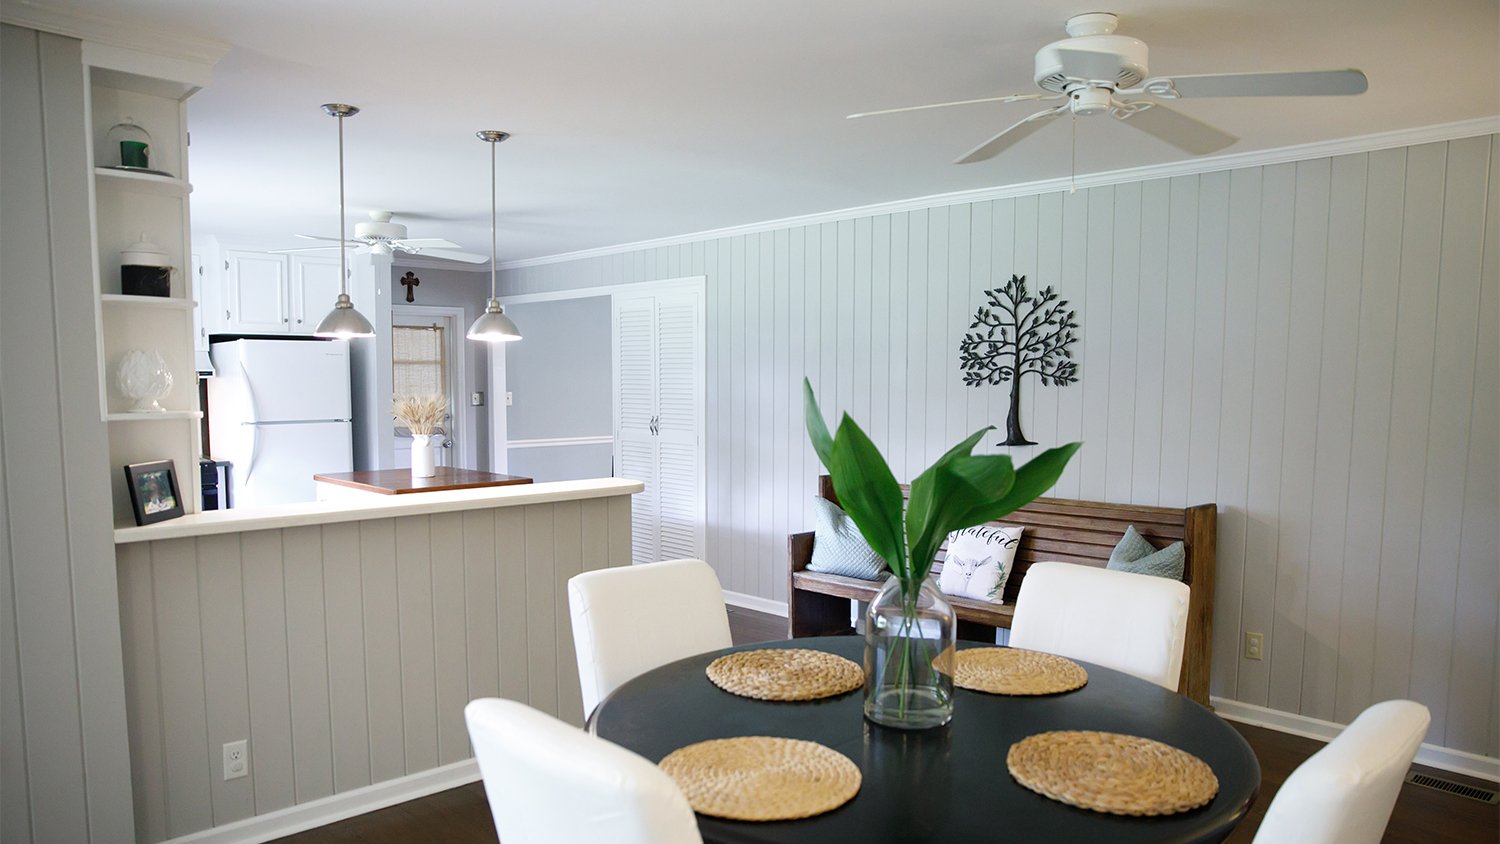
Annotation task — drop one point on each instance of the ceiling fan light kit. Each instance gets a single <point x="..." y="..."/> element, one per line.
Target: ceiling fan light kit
<point x="1095" y="71"/>
<point x="493" y="326"/>
<point x="343" y="322"/>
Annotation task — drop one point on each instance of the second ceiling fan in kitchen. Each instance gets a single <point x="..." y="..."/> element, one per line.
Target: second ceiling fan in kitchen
<point x="380" y="236"/>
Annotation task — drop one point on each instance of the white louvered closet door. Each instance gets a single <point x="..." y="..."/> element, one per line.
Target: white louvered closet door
<point x="659" y="344"/>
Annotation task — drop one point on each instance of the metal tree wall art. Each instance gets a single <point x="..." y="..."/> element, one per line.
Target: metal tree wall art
<point x="1019" y="334"/>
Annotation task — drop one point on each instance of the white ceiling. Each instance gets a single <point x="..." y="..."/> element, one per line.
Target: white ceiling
<point x="635" y="120"/>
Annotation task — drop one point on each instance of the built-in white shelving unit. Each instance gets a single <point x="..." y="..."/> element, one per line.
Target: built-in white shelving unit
<point x="127" y="205"/>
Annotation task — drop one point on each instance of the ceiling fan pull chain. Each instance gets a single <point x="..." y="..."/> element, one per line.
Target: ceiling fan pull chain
<point x="1073" y="167"/>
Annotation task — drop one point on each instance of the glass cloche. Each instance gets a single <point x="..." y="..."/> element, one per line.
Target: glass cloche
<point x="133" y="143"/>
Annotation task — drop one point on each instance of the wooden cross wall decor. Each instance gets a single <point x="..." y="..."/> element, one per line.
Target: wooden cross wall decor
<point x="410" y="281"/>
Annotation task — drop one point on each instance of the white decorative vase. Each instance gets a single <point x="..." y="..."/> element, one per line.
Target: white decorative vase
<point x="422" y="464"/>
<point x="142" y="376"/>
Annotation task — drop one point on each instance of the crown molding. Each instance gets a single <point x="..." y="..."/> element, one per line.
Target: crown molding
<point x="428" y="262"/>
<point x="111" y="32"/>
<point x="1257" y="158"/>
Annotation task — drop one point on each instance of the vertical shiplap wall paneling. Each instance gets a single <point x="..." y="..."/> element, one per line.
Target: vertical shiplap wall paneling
<point x="1310" y="345"/>
<point x="309" y="670"/>
<point x="1267" y="418"/>
<point x="1124" y="313"/>
<point x="1335" y="423"/>
<point x="1234" y="420"/>
<point x="417" y="653"/>
<point x="1150" y="352"/>
<point x="343" y="596"/>
<point x="227" y="637"/>
<point x="1309" y="265"/>
<point x="1174" y="435"/>
<point x="1411" y="396"/>
<point x="267" y="670"/>
<point x="382" y="626"/>
<point x="225" y="677"/>
<point x="1452" y="388"/>
<point x="450" y="641"/>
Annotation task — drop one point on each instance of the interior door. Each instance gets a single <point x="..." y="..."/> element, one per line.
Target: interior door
<point x="659" y="349"/>
<point x="680" y="494"/>
<point x="426" y="358"/>
<point x="635" y="414"/>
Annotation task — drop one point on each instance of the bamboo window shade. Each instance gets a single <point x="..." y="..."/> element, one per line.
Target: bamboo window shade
<point x="419" y="360"/>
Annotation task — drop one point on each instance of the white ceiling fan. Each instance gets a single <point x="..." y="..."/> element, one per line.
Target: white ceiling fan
<point x="1094" y="70"/>
<point x="380" y="236"/>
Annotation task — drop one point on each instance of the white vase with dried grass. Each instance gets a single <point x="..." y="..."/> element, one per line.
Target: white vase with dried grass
<point x="422" y="415"/>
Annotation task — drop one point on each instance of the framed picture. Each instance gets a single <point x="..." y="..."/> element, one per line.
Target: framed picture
<point x="154" y="494"/>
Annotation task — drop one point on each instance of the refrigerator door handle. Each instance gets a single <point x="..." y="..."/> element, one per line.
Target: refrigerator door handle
<point x="254" y="428"/>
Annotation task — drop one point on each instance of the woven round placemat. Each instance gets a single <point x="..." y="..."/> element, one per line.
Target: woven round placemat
<point x="1113" y="773"/>
<point x="760" y="778"/>
<point x="785" y="674"/>
<point x="1014" y="671"/>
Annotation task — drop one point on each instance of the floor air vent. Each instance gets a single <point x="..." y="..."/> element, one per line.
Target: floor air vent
<point x="1483" y="795"/>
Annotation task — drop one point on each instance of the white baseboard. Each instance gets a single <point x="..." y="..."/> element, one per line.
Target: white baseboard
<point x="337" y="807"/>
<point x="755" y="602"/>
<point x="1432" y="755"/>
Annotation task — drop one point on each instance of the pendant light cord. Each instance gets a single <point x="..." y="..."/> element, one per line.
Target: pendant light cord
<point x="493" y="144"/>
<point x="343" y="252"/>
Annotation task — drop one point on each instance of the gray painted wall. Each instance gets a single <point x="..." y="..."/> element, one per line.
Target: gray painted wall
<point x="1313" y="346"/>
<point x="468" y="290"/>
<point x="65" y="774"/>
<point x="560" y="378"/>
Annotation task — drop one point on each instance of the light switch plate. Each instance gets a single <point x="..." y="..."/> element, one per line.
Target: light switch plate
<point x="508" y="400"/>
<point x="476" y="399"/>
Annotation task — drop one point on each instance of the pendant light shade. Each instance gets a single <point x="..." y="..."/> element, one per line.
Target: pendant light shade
<point x="493" y="326"/>
<point x="343" y="321"/>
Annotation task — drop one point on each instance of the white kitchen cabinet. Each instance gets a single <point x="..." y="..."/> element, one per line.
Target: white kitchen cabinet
<point x="315" y="286"/>
<point x="267" y="293"/>
<point x="256" y="291"/>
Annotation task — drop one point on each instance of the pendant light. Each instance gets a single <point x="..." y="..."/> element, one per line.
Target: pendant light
<point x="493" y="326"/>
<point x="343" y="321"/>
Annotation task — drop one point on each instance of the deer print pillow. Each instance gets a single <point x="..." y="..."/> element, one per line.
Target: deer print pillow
<point x="979" y="561"/>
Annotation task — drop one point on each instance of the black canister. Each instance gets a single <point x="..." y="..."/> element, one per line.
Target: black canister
<point x="145" y="270"/>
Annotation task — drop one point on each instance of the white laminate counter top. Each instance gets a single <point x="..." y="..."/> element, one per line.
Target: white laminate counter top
<point x="377" y="507"/>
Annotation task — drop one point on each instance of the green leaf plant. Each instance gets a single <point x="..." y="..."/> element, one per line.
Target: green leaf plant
<point x="960" y="490"/>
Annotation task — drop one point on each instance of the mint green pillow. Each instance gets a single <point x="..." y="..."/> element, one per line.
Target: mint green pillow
<point x="1137" y="556"/>
<point x="838" y="546"/>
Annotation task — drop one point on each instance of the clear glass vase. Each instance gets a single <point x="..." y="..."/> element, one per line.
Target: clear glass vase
<point x="909" y="640"/>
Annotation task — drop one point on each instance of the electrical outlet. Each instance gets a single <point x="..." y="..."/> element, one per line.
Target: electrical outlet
<point x="1255" y="646"/>
<point x="508" y="399"/>
<point x="236" y="759"/>
<point x="476" y="399"/>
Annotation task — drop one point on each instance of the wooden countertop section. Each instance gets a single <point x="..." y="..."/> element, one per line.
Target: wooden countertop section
<point x="400" y="481"/>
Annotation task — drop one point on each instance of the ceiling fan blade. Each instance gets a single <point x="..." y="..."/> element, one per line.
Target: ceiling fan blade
<point x="424" y="243"/>
<point x="1186" y="133"/>
<point x="1008" y="98"/>
<point x="1010" y="135"/>
<point x="315" y="237"/>
<point x="1091" y="65"/>
<point x="455" y="255"/>
<point x="1304" y="83"/>
<point x="304" y="248"/>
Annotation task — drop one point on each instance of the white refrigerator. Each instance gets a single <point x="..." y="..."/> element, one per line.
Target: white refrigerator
<point x="279" y="411"/>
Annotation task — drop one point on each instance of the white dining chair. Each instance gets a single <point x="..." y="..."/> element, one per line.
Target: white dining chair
<point x="547" y="781"/>
<point x="1135" y="623"/>
<point x="1344" y="793"/>
<point x="631" y="619"/>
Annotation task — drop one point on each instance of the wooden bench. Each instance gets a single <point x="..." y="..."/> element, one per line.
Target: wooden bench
<point x="1069" y="531"/>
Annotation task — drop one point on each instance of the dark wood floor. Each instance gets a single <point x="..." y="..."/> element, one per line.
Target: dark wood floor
<point x="1422" y="815"/>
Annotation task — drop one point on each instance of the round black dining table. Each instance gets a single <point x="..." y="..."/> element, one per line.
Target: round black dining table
<point x="946" y="784"/>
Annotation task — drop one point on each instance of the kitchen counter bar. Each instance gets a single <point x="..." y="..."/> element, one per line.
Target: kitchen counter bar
<point x="376" y="507"/>
<point x="400" y="481"/>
